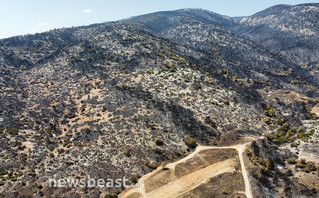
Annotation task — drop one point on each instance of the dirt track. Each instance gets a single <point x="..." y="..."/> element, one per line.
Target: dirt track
<point x="184" y="184"/>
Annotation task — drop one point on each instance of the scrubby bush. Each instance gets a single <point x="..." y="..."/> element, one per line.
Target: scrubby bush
<point x="151" y="165"/>
<point x="281" y="121"/>
<point x="191" y="143"/>
<point x="214" y="142"/>
<point x="152" y="125"/>
<point x="225" y="191"/>
<point x="267" y="168"/>
<point x="158" y="151"/>
<point x="158" y="141"/>
<point x="112" y="195"/>
<point x="3" y="172"/>
<point x="39" y="186"/>
<point x="17" y="143"/>
<point x="210" y="122"/>
<point x="226" y="101"/>
<point x="13" y="131"/>
<point x="127" y="153"/>
<point x="197" y="86"/>
<point x="178" y="152"/>
<point x="270" y="112"/>
<point x="306" y="135"/>
<point x="301" y="163"/>
<point x="163" y="165"/>
<point x="71" y="116"/>
<point x="310" y="166"/>
<point x="267" y="120"/>
<point x="300" y="129"/>
<point x="60" y="150"/>
<point x="292" y="160"/>
<point x="21" y="147"/>
<point x="295" y="144"/>
<point x="133" y="179"/>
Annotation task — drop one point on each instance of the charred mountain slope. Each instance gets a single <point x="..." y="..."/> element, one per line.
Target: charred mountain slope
<point x="117" y="99"/>
<point x="291" y="30"/>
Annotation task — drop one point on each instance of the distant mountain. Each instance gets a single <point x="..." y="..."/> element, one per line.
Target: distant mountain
<point x="236" y="40"/>
<point x="160" y="22"/>
<point x="291" y="30"/>
<point x="274" y="28"/>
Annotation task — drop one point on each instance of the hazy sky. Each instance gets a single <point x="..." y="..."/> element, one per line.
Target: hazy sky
<point x="30" y="16"/>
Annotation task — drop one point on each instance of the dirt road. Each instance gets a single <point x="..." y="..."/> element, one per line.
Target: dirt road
<point x="186" y="183"/>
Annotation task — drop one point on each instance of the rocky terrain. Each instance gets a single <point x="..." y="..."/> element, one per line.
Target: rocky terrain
<point x="291" y="30"/>
<point x="123" y="98"/>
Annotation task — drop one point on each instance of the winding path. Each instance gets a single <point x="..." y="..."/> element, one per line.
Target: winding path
<point x="214" y="169"/>
<point x="248" y="191"/>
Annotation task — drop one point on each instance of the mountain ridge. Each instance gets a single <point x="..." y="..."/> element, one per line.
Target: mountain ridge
<point x="125" y="98"/>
